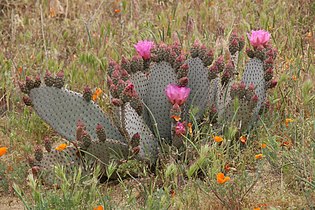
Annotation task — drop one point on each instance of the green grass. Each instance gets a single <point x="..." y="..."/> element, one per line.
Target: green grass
<point x="92" y="34"/>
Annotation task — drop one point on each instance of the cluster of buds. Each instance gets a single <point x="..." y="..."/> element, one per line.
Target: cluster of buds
<point x="213" y="114"/>
<point x="29" y="84"/>
<point x="135" y="143"/>
<point x="82" y="136"/>
<point x="166" y="53"/>
<point x="47" y="144"/>
<point x="240" y="91"/>
<point x="217" y="67"/>
<point x="38" y="153"/>
<point x="57" y="81"/>
<point x="227" y="73"/>
<point x="121" y="89"/>
<point x="100" y="132"/>
<point x="198" y="50"/>
<point x="236" y="43"/>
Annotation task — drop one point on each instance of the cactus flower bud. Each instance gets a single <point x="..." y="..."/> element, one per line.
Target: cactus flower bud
<point x="220" y="63"/>
<point x="208" y="58"/>
<point x="87" y="94"/>
<point x="250" y="53"/>
<point x="234" y="90"/>
<point x="271" y="84"/>
<point x="183" y="81"/>
<point x="38" y="153"/>
<point x="117" y="102"/>
<point x="135" y="140"/>
<point x="37" y="81"/>
<point x="47" y="144"/>
<point x="268" y="74"/>
<point x="100" y="132"/>
<point x="180" y="129"/>
<point x="27" y="101"/>
<point x="29" y="83"/>
<point x="23" y="88"/>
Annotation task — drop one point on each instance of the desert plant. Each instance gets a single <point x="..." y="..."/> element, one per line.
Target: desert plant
<point x="152" y="96"/>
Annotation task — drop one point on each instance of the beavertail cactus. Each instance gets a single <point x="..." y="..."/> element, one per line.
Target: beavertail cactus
<point x="154" y="96"/>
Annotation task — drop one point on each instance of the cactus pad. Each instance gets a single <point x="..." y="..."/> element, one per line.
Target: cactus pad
<point x="62" y="109"/>
<point x="254" y="74"/>
<point x="68" y="158"/>
<point x="135" y="124"/>
<point x="202" y="90"/>
<point x="161" y="75"/>
<point x="107" y="151"/>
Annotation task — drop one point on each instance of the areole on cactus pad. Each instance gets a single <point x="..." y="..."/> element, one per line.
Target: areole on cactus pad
<point x="152" y="95"/>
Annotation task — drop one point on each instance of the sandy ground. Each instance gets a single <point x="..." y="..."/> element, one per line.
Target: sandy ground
<point x="10" y="203"/>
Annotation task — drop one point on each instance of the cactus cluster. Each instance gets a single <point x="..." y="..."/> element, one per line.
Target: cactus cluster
<point x="152" y="95"/>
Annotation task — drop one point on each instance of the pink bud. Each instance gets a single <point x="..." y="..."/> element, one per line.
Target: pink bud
<point x="254" y="98"/>
<point x="251" y="87"/>
<point x="183" y="81"/>
<point x="116" y="102"/>
<point x="180" y="129"/>
<point x="242" y="86"/>
<point x="60" y="74"/>
<point x="273" y="83"/>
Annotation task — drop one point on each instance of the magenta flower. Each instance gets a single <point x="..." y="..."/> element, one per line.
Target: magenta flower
<point x="144" y="49"/>
<point x="180" y="129"/>
<point x="177" y="94"/>
<point x="259" y="38"/>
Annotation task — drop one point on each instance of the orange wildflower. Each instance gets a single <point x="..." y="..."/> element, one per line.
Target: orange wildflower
<point x="258" y="156"/>
<point x="286" y="144"/>
<point x="172" y="192"/>
<point x="100" y="207"/>
<point x="221" y="179"/>
<point x="227" y="167"/>
<point x="294" y="78"/>
<point x="117" y="11"/>
<point x="263" y="145"/>
<point x="61" y="147"/>
<point x="96" y="94"/>
<point x="243" y="139"/>
<point x="218" y="139"/>
<point x="3" y="150"/>
<point x="189" y="125"/>
<point x="258" y="208"/>
<point x="20" y="70"/>
<point x="287" y="121"/>
<point x="176" y="118"/>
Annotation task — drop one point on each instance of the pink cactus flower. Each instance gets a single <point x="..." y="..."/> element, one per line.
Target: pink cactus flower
<point x="180" y="129"/>
<point x="177" y="94"/>
<point x="259" y="38"/>
<point x="144" y="49"/>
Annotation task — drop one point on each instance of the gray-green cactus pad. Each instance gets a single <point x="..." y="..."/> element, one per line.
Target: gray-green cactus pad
<point x="107" y="151"/>
<point x="140" y="81"/>
<point x="161" y="75"/>
<point x="201" y="94"/>
<point x="242" y="117"/>
<point x="135" y="124"/>
<point x="223" y="97"/>
<point x="254" y="73"/>
<point x="67" y="158"/>
<point x="62" y="109"/>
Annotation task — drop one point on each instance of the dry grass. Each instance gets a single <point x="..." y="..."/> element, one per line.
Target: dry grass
<point x="89" y="33"/>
